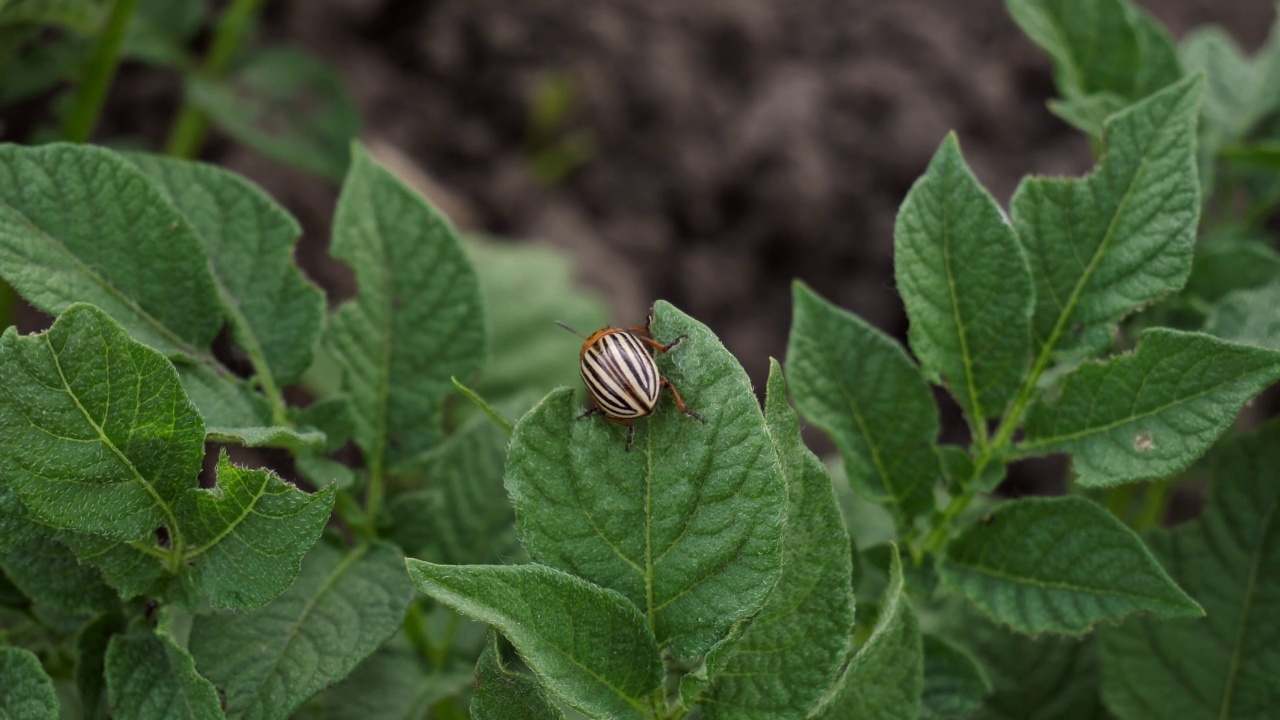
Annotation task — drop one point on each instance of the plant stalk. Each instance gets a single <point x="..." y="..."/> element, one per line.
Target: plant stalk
<point x="98" y="73"/>
<point x="191" y="126"/>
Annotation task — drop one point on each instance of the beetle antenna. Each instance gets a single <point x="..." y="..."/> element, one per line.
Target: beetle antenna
<point x="566" y="327"/>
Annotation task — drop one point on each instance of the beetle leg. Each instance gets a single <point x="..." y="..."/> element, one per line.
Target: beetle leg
<point x="631" y="433"/>
<point x="589" y="412"/>
<point x="659" y="346"/>
<point x="679" y="402"/>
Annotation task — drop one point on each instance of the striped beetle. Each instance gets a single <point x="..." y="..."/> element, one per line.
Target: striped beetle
<point x="621" y="375"/>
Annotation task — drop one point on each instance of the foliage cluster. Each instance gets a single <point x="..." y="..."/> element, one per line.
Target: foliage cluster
<point x="1122" y="319"/>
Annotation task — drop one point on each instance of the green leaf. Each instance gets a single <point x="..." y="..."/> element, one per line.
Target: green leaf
<point x="81" y="224"/>
<point x="266" y="436"/>
<point x="151" y="677"/>
<point x="526" y="287"/>
<point x="463" y="516"/>
<point x="1099" y="45"/>
<point x="1223" y="665"/>
<point x="1059" y="565"/>
<point x="234" y="413"/>
<point x="91" y="662"/>
<point x="48" y="572"/>
<point x="416" y="321"/>
<point x="846" y="377"/>
<point x="686" y="524"/>
<point x="80" y="15"/>
<point x="1151" y="413"/>
<point x="238" y="544"/>
<point x="395" y="683"/>
<point x="1227" y="263"/>
<point x="588" y="645"/>
<point x="275" y="313"/>
<point x="791" y="652"/>
<point x="885" y="678"/>
<point x="966" y="286"/>
<point x="16" y="524"/>
<point x="338" y="611"/>
<point x="1229" y="93"/>
<point x="86" y="410"/>
<point x="285" y="104"/>
<point x="503" y="693"/>
<point x="1088" y="113"/>
<point x="36" y="62"/>
<point x="28" y="691"/>
<point x="87" y="413"/>
<point x="161" y="31"/>
<point x="1248" y="316"/>
<point x="1104" y="245"/>
<point x="954" y="682"/>
<point x="1047" y="677"/>
<point x="1161" y="65"/>
<point x="248" y="533"/>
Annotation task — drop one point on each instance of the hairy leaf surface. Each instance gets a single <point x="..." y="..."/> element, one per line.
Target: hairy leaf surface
<point x="151" y="677"/>
<point x="1104" y="245"/>
<point x="1150" y="413"/>
<point x="686" y="524"/>
<point x="502" y="692"/>
<point x="340" y="609"/>
<point x="28" y="690"/>
<point x="79" y="223"/>
<point x="587" y="644"/>
<point x="1059" y="565"/>
<point x="96" y="434"/>
<point x="1224" y="665"/>
<point x="966" y="286"/>
<point x="790" y="653"/>
<point x="847" y="378"/>
<point x="416" y="321"/>
<point x="885" y="678"/>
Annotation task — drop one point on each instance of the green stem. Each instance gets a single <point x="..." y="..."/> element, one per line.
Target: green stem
<point x="1119" y="501"/>
<point x="942" y="529"/>
<point x="97" y="75"/>
<point x="190" y="128"/>
<point x="481" y="403"/>
<point x="1154" y="506"/>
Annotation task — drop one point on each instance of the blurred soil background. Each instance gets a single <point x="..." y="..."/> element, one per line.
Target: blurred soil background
<point x="706" y="153"/>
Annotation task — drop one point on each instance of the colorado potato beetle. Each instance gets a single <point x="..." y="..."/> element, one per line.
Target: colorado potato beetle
<point x="621" y="375"/>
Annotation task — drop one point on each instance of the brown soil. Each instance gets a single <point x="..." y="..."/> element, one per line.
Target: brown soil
<point x="736" y="144"/>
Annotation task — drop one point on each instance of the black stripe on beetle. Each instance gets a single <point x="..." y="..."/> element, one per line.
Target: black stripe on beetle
<point x="621" y="376"/>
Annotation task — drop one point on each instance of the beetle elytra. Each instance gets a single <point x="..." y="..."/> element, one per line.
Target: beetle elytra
<point x="622" y="377"/>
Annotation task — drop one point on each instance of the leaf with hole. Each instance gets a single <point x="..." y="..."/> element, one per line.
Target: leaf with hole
<point x="1151" y="413"/>
<point x="1222" y="665"/>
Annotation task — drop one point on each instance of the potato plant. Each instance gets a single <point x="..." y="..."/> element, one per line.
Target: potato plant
<point x="394" y="546"/>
